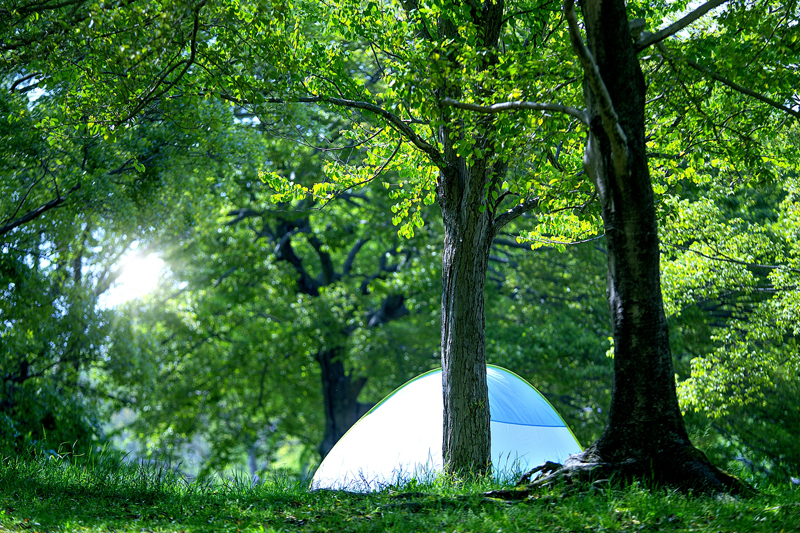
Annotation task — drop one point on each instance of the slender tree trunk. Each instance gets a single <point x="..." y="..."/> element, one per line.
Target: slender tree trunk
<point x="340" y="395"/>
<point x="645" y="430"/>
<point x="469" y="229"/>
<point x="467" y="441"/>
<point x="252" y="459"/>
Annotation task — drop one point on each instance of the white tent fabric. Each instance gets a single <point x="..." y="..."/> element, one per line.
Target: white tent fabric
<point x="401" y="437"/>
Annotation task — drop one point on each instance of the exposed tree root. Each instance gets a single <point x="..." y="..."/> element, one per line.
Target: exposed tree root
<point x="685" y="469"/>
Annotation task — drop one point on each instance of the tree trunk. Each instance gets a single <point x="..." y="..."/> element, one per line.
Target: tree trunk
<point x="644" y="407"/>
<point x="340" y="395"/>
<point x="469" y="227"/>
<point x="645" y="430"/>
<point x="466" y="446"/>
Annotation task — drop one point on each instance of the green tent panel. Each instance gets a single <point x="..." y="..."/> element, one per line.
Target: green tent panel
<point x="401" y="437"/>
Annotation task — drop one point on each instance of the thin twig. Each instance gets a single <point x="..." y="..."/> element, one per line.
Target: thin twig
<point x="35" y="213"/>
<point x="726" y="259"/>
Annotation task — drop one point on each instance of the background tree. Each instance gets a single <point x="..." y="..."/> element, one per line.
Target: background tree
<point x="730" y="272"/>
<point x="292" y="301"/>
<point x="71" y="208"/>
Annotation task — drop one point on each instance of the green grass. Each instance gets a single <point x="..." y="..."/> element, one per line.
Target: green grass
<point x="101" y="494"/>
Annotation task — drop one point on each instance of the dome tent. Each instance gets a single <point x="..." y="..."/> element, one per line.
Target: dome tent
<point x="401" y="437"/>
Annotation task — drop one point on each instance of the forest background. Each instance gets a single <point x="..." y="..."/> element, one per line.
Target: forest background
<point x="301" y="246"/>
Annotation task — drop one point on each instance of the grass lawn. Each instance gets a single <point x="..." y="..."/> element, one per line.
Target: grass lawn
<point x="53" y="494"/>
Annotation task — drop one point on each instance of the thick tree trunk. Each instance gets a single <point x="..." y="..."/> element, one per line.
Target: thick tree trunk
<point x="340" y="395"/>
<point x="644" y="408"/>
<point x="645" y="430"/>
<point x="466" y="445"/>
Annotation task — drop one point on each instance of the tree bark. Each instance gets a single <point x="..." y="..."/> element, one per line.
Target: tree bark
<point x="645" y="434"/>
<point x="466" y="444"/>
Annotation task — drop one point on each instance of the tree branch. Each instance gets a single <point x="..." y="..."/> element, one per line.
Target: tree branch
<point x="22" y="80"/>
<point x="28" y="192"/>
<point x="264" y="314"/>
<point x="284" y="252"/>
<point x="328" y="274"/>
<point x="515" y="212"/>
<point x="188" y="62"/>
<point x="611" y="125"/>
<point x="498" y="259"/>
<point x="744" y="90"/>
<point x="40" y="7"/>
<point x="725" y="259"/>
<point x="240" y="214"/>
<point x="202" y="341"/>
<point x="104" y="279"/>
<point x="411" y="8"/>
<point x="225" y="274"/>
<point x="368" y="180"/>
<point x="392" y="308"/>
<point x="348" y="263"/>
<point x="383" y="269"/>
<point x="510" y="244"/>
<point x="35" y="213"/>
<point x="649" y="39"/>
<point x="508" y="106"/>
<point x="391" y="118"/>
